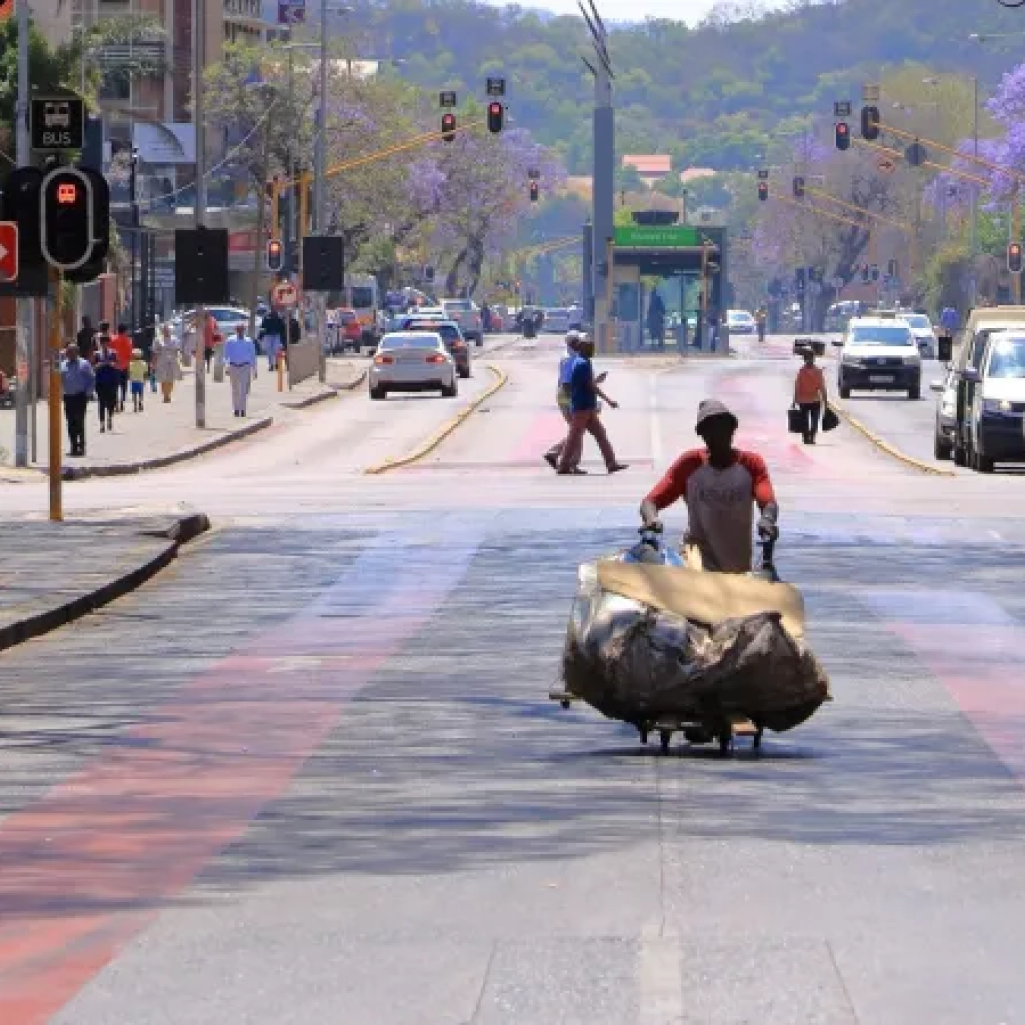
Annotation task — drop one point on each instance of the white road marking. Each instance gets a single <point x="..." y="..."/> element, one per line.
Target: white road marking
<point x="656" y="434"/>
<point x="996" y="537"/>
<point x="660" y="977"/>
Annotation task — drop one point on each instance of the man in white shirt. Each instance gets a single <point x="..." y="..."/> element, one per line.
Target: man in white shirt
<point x="240" y="357"/>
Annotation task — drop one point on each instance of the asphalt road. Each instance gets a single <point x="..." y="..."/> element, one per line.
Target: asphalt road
<point x="310" y="774"/>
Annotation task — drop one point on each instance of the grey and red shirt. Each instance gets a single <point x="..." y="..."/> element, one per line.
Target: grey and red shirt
<point x="719" y="504"/>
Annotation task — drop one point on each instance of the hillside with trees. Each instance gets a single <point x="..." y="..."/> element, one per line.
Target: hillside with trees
<point x="710" y="94"/>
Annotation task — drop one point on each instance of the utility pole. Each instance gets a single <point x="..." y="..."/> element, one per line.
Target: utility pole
<point x="320" y="183"/>
<point x="975" y="194"/>
<point x="198" y="63"/>
<point x="24" y="349"/>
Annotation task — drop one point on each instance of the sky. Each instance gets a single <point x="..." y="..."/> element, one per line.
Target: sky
<point x="690" y="11"/>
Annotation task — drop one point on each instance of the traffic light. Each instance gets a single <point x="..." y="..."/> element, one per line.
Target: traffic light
<point x="875" y="272"/>
<point x="1014" y="258"/>
<point x="96" y="264"/>
<point x="448" y="127"/>
<point x="763" y="191"/>
<point x="870" y="123"/>
<point x="535" y="192"/>
<point x="496" y="115"/>
<point x="799" y="280"/>
<point x="275" y="255"/>
<point x="843" y="135"/>
<point x="201" y="266"/>
<point x="323" y="263"/>
<point x="892" y="268"/>
<point x="866" y="274"/>
<point x="66" y="229"/>
<point x="798" y="188"/>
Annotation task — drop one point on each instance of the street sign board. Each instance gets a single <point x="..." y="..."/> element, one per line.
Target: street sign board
<point x="886" y="165"/>
<point x="870" y="93"/>
<point x="496" y="87"/>
<point x="284" y="294"/>
<point x="447" y="98"/>
<point x="842" y="108"/>
<point x="8" y="251"/>
<point x="644" y="236"/>
<point x="57" y="123"/>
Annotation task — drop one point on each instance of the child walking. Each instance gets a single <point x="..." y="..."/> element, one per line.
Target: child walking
<point x="138" y="371"/>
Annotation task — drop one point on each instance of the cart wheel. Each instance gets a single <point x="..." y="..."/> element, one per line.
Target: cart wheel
<point x="664" y="736"/>
<point x="564" y="702"/>
<point x="644" y="736"/>
<point x="756" y="743"/>
<point x="725" y="744"/>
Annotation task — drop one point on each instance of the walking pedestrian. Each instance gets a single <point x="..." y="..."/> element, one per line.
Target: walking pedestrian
<point x="273" y="332"/>
<point x="138" y="371"/>
<point x="584" y="394"/>
<point x="166" y="368"/>
<point x="810" y="395"/>
<point x="211" y="338"/>
<point x="108" y="385"/>
<point x="121" y="343"/>
<point x="657" y="320"/>
<point x="77" y="384"/>
<point x="562" y="396"/>
<point x="86" y="338"/>
<point x="240" y="357"/>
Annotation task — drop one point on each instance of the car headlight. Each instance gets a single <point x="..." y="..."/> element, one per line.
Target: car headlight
<point x="996" y="406"/>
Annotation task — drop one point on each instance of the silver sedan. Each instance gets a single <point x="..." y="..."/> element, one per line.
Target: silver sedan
<point x="412" y="361"/>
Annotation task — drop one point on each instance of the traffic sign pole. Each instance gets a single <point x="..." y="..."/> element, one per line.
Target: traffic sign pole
<point x="23" y="334"/>
<point x="54" y="400"/>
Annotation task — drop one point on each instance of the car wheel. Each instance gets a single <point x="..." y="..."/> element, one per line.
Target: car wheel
<point x="940" y="449"/>
<point x="915" y="392"/>
<point x="845" y="392"/>
<point x="450" y="391"/>
<point x="378" y="393"/>
<point x="960" y="456"/>
<point x="464" y="373"/>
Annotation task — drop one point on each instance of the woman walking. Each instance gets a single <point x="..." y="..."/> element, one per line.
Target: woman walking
<point x="166" y="368"/>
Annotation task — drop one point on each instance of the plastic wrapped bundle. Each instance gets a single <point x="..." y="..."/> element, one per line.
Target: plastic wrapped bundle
<point x="635" y="661"/>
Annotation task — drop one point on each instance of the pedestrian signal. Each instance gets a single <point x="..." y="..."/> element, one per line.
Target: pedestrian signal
<point x="496" y="115"/>
<point x="1014" y="259"/>
<point x="448" y="127"/>
<point x="843" y="135"/>
<point x="798" y="188"/>
<point x="763" y="191"/>
<point x="870" y="123"/>
<point x="535" y="192"/>
<point x="275" y="255"/>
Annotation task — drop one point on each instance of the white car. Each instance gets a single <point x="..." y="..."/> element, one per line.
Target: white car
<point x="925" y="336"/>
<point x="878" y="354"/>
<point x="412" y="361"/>
<point x="740" y="322"/>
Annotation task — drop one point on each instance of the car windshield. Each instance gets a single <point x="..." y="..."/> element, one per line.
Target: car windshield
<point x="417" y="341"/>
<point x="740" y="316"/>
<point x="1007" y="358"/>
<point x="918" y="320"/>
<point x="447" y="331"/>
<point x="462" y="305"/>
<point x="880" y="335"/>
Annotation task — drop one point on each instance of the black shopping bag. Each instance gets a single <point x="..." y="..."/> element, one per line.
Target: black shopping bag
<point x="796" y="420"/>
<point x="829" y="420"/>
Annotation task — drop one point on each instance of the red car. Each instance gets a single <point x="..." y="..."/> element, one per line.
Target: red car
<point x="350" y="331"/>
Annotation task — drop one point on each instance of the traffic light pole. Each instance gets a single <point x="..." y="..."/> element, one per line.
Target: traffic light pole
<point x="603" y="204"/>
<point x="55" y="430"/>
<point x="198" y="63"/>
<point x="23" y="371"/>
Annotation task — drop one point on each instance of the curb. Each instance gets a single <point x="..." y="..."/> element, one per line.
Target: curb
<point x="332" y="391"/>
<point x="439" y="436"/>
<point x="885" y="446"/>
<point x="180" y="532"/>
<point x="124" y="469"/>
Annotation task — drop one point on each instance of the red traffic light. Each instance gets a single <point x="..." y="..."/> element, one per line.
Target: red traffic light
<point x="67" y="194"/>
<point x="448" y="127"/>
<point x="1014" y="258"/>
<point x="535" y="192"/>
<point x="843" y="135"/>
<point x="763" y="191"/>
<point x="496" y="115"/>
<point x="275" y="255"/>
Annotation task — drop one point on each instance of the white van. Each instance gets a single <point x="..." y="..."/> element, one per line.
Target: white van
<point x="998" y="402"/>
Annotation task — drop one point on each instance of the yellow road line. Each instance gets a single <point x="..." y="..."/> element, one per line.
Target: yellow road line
<point x="439" y="436"/>
<point x="885" y="446"/>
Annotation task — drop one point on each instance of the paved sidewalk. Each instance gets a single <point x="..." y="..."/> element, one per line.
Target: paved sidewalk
<point x="57" y="572"/>
<point x="166" y="433"/>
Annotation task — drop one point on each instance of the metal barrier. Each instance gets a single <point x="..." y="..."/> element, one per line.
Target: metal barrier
<point x="303" y="362"/>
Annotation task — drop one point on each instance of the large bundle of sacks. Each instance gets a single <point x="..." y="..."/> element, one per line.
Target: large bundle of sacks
<point x="651" y="641"/>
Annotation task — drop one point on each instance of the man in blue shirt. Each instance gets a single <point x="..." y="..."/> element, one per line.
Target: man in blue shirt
<point x="77" y="383"/>
<point x="562" y="396"/>
<point x="584" y="392"/>
<point x="240" y="357"/>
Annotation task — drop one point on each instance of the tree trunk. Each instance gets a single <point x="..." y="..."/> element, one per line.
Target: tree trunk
<point x="452" y="279"/>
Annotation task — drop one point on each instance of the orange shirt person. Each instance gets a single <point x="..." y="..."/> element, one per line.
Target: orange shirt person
<point x="121" y="346"/>
<point x="810" y="395"/>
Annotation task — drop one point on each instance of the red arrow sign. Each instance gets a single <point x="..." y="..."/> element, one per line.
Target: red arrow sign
<point x="8" y="251"/>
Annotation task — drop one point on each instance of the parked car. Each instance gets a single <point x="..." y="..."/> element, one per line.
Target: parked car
<point x="466" y="314"/>
<point x="946" y="415"/>
<point x="412" y="361"/>
<point x="740" y="322"/>
<point x="879" y="354"/>
<point x="451" y="336"/>
<point x="925" y="336"/>
<point x="998" y="403"/>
